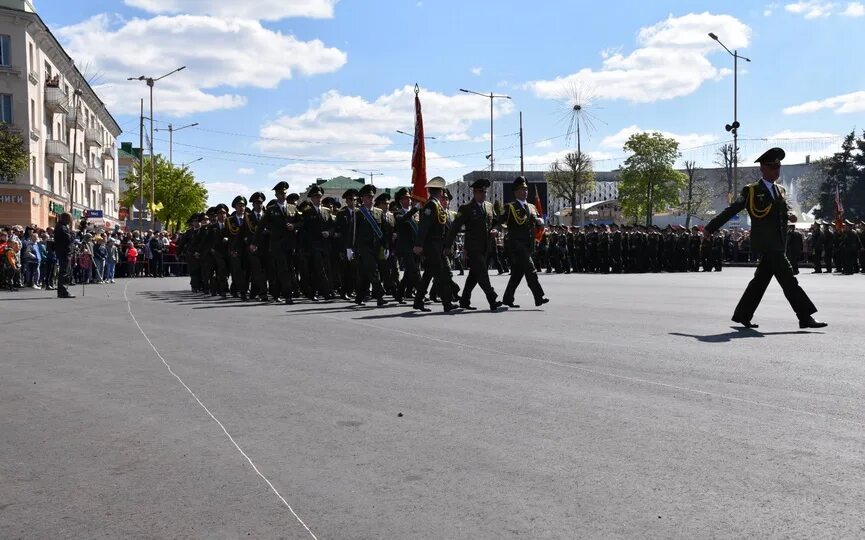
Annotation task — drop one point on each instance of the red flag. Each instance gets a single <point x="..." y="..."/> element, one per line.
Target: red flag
<point x="839" y="208"/>
<point x="539" y="230"/>
<point x="418" y="155"/>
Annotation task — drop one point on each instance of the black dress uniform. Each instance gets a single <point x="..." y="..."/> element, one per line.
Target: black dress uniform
<point x="406" y="233"/>
<point x="345" y="236"/>
<point x="237" y="252"/>
<point x="316" y="230"/>
<point x="479" y="221"/>
<point x="63" y="251"/>
<point x="219" y="250"/>
<point x="369" y="240"/>
<point x="521" y="218"/>
<point x="431" y="239"/>
<point x="768" y="209"/>
<point x="279" y="224"/>
<point x="256" y="254"/>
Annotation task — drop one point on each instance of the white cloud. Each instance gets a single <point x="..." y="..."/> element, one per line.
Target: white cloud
<point x="268" y="10"/>
<point x="225" y="192"/>
<point x="245" y="171"/>
<point x="690" y="140"/>
<point x="671" y="61"/>
<point x="544" y="144"/>
<point x="119" y="49"/>
<point x="477" y="70"/>
<point x="361" y="133"/>
<point x="854" y="9"/>
<point x="811" y="9"/>
<point x="846" y="103"/>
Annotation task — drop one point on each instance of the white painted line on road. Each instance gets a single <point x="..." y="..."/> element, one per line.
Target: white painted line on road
<point x="215" y="419"/>
<point x="605" y="373"/>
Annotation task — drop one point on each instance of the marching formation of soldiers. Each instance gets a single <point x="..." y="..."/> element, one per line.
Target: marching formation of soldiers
<point x="630" y="249"/>
<point x="831" y="246"/>
<point x="322" y="248"/>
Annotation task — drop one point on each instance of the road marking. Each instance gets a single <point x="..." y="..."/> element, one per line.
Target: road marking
<point x="215" y="419"/>
<point x="606" y="373"/>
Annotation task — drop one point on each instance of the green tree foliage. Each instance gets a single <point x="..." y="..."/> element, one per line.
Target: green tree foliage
<point x="844" y="171"/>
<point x="572" y="179"/>
<point x="648" y="180"/>
<point x="14" y="156"/>
<point x="177" y="194"/>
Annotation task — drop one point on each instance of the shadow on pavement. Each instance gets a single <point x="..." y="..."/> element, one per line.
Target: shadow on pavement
<point x="739" y="333"/>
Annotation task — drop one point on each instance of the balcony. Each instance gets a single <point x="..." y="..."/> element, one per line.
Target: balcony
<point x="108" y="187"/>
<point x="75" y="121"/>
<point x="80" y="164"/>
<point x="92" y="137"/>
<point x="57" y="152"/>
<point x="56" y="101"/>
<point x="108" y="151"/>
<point x="93" y="176"/>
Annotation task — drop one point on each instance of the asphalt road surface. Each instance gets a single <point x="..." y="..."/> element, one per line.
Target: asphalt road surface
<point x="630" y="406"/>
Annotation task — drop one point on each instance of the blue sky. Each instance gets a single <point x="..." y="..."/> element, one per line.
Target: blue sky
<point x="301" y="89"/>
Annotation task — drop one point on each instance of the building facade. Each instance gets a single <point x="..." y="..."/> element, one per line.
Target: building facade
<point x="70" y="134"/>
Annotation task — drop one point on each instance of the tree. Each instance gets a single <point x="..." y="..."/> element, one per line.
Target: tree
<point x="725" y="160"/>
<point x="843" y="174"/>
<point x="809" y="185"/>
<point x="572" y="179"/>
<point x="14" y="155"/>
<point x="699" y="194"/>
<point x="177" y="194"/>
<point x="648" y="180"/>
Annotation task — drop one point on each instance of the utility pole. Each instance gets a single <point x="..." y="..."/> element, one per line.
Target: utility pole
<point x="522" y="165"/>
<point x="734" y="127"/>
<point x="150" y="81"/>
<point x="491" y="97"/>
<point x="171" y="129"/>
<point x="371" y="174"/>
<point x="141" y="170"/>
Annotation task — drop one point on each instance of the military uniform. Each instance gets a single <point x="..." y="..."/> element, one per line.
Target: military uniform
<point x="257" y="255"/>
<point x="406" y="220"/>
<point x="345" y="237"/>
<point x="237" y="251"/>
<point x="479" y="222"/>
<point x="430" y="241"/>
<point x="316" y="225"/>
<point x="369" y="240"/>
<point x="279" y="225"/>
<point x="767" y="206"/>
<point x="520" y="218"/>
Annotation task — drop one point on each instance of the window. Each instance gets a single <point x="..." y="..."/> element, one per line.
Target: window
<point x="6" y="108"/>
<point x="5" y="53"/>
<point x="32" y="65"/>
<point x="32" y="112"/>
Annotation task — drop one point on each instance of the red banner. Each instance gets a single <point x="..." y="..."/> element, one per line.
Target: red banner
<point x="539" y="230"/>
<point x="418" y="155"/>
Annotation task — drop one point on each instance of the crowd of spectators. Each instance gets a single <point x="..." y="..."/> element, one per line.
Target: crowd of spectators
<point x="98" y="256"/>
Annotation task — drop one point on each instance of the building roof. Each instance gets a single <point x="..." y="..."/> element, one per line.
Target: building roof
<point x="26" y="12"/>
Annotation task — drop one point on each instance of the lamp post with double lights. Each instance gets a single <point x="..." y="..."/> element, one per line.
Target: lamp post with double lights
<point x="491" y="97"/>
<point x="171" y="129"/>
<point x="150" y="81"/>
<point x="734" y="127"/>
<point x="370" y="174"/>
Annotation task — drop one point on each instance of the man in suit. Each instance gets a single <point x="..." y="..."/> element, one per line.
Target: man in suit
<point x="63" y="250"/>
<point x="767" y="205"/>
<point x="317" y="229"/>
<point x="479" y="220"/>
<point x="521" y="218"/>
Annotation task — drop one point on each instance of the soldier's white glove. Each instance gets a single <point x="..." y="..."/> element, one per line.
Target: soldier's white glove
<point x="386" y="253"/>
<point x="349" y="254"/>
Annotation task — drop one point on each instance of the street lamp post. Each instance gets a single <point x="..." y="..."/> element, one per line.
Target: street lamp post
<point x="171" y="129"/>
<point x="412" y="135"/>
<point x="150" y="81"/>
<point x="734" y="127"/>
<point x="492" y="97"/>
<point x="188" y="163"/>
<point x="371" y="174"/>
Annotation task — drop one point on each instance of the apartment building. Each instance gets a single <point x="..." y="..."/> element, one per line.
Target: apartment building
<point x="69" y="131"/>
